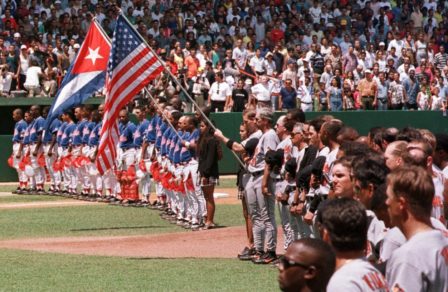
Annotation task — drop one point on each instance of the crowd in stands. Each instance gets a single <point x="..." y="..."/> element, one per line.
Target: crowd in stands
<point x="232" y="54"/>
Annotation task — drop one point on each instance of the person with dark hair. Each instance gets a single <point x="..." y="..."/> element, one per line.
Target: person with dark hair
<point x="68" y="172"/>
<point x="208" y="169"/>
<point x="190" y="173"/>
<point x="296" y="114"/>
<point x="35" y="149"/>
<point x="421" y="263"/>
<point x="334" y="95"/>
<point x="247" y="149"/>
<point x="369" y="172"/>
<point x="343" y="224"/>
<point x="375" y="138"/>
<point x="50" y="152"/>
<point x="219" y="94"/>
<point x="306" y="266"/>
<point x="409" y="134"/>
<point x="261" y="203"/>
<point x="17" y="148"/>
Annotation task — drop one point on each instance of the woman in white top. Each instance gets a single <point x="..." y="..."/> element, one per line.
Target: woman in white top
<point x="423" y="99"/>
<point x="436" y="100"/>
<point x="23" y="59"/>
<point x="421" y="48"/>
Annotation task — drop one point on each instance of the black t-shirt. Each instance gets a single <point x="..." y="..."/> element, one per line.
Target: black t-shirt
<point x="239" y="97"/>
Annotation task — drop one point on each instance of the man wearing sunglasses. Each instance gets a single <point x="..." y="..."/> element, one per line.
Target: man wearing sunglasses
<point x="306" y="266"/>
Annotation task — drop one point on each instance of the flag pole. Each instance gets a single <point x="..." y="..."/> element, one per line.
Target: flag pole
<point x="181" y="87"/>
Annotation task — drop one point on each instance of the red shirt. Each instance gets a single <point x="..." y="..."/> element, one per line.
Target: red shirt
<point x="277" y="35"/>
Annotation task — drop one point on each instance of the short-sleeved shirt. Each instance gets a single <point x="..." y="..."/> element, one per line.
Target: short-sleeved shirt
<point x="86" y="132"/>
<point x="150" y="133"/>
<point x="60" y="133"/>
<point x="77" y="133"/>
<point x="53" y="129"/>
<point x="219" y="91"/>
<point x="185" y="153"/>
<point x="19" y="131"/>
<point x="127" y="135"/>
<point x="140" y="132"/>
<point x="262" y="92"/>
<point x="66" y="138"/>
<point x="36" y="129"/>
<point x="268" y="141"/>
<point x="94" y="137"/>
<point x="357" y="275"/>
<point x="421" y="264"/>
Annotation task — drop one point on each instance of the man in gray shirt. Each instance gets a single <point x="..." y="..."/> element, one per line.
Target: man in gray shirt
<point x="260" y="201"/>
<point x="421" y="264"/>
<point x="343" y="224"/>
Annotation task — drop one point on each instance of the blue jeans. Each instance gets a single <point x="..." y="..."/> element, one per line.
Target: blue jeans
<point x="336" y="105"/>
<point x="382" y="106"/>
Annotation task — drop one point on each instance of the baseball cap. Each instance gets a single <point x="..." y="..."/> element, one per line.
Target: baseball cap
<point x="269" y="54"/>
<point x="382" y="44"/>
<point x="76" y="46"/>
<point x="23" y="47"/>
<point x="17" y="35"/>
<point x="57" y="2"/>
<point x="367" y="71"/>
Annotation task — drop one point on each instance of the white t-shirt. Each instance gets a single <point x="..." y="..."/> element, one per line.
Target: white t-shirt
<point x="240" y="56"/>
<point x="219" y="91"/>
<point x="357" y="275"/>
<point x="257" y="63"/>
<point x="262" y="92"/>
<point x="421" y="264"/>
<point x="32" y="76"/>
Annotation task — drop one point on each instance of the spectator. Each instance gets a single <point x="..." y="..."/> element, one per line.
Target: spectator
<point x="32" y="82"/>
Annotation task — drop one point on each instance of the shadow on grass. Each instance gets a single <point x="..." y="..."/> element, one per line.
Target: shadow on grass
<point x="116" y="228"/>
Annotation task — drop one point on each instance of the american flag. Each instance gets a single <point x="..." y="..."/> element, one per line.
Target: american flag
<point x="132" y="65"/>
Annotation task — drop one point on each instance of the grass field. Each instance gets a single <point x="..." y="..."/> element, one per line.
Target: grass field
<point x="32" y="271"/>
<point x="37" y="271"/>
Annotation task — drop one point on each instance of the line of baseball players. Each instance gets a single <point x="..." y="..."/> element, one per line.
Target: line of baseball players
<point x="150" y="152"/>
<point x="328" y="182"/>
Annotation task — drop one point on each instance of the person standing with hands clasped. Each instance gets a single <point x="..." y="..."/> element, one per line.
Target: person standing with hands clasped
<point x="208" y="156"/>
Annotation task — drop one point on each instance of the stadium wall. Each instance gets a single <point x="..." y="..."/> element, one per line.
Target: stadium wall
<point x="229" y="124"/>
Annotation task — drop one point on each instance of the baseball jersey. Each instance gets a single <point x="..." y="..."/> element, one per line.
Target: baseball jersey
<point x="437" y="202"/>
<point x="377" y="230"/>
<point x="78" y="132"/>
<point x="357" y="275"/>
<point x="26" y="135"/>
<point x="165" y="141"/>
<point x="421" y="264"/>
<point x="151" y="131"/>
<point x="127" y="135"/>
<point x="66" y="138"/>
<point x="268" y="141"/>
<point x="94" y="137"/>
<point x="255" y="135"/>
<point x="394" y="238"/>
<point x="60" y="133"/>
<point x="185" y="153"/>
<point x="160" y="130"/>
<point x="37" y="127"/>
<point x="19" y="131"/>
<point x="86" y="132"/>
<point x="53" y="129"/>
<point x="140" y="132"/>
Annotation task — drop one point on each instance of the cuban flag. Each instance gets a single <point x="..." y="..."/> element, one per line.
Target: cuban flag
<point x="86" y="74"/>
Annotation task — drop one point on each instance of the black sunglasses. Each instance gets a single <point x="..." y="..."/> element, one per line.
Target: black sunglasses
<point x="286" y="263"/>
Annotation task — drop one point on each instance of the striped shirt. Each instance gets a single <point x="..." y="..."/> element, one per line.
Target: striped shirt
<point x="440" y="60"/>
